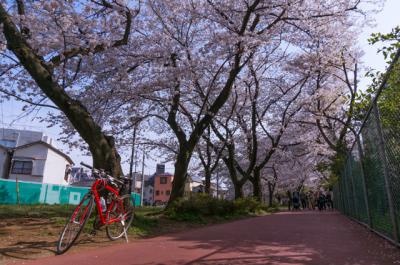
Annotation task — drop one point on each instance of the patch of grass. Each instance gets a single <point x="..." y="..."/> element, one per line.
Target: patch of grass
<point x="35" y="211"/>
<point x="145" y="223"/>
<point x="199" y="210"/>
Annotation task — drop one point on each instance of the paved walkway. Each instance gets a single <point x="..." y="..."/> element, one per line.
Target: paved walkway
<point x="284" y="238"/>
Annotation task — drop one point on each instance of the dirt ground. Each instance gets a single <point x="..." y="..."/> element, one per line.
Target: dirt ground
<point x="24" y="239"/>
<point x="31" y="238"/>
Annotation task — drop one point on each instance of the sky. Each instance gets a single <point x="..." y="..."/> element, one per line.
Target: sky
<point x="387" y="19"/>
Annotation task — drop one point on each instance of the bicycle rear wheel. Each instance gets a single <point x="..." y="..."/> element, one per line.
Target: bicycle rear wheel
<point x="75" y="224"/>
<point x="125" y="211"/>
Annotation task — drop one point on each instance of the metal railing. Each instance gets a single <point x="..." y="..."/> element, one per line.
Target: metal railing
<point x="368" y="189"/>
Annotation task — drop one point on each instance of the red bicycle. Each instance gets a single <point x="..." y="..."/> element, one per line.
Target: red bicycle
<point x="114" y="209"/>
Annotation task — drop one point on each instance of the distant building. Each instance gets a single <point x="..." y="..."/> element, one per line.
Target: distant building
<point x="160" y="169"/>
<point x="162" y="188"/>
<point x="148" y="191"/>
<point x="29" y="156"/>
<point x="80" y="177"/>
<point x="11" y="138"/>
<point x="158" y="187"/>
<point x="193" y="185"/>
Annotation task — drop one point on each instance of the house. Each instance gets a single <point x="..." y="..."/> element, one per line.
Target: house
<point x="162" y="187"/>
<point x="193" y="185"/>
<point x="137" y="178"/>
<point x="39" y="162"/>
<point x="30" y="156"/>
<point x="157" y="188"/>
<point x="196" y="185"/>
<point x="148" y="191"/>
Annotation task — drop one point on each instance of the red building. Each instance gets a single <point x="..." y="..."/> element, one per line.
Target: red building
<point x="162" y="187"/>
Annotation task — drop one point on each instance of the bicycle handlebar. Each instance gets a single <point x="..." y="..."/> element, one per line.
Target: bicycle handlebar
<point x="101" y="171"/>
<point x="86" y="165"/>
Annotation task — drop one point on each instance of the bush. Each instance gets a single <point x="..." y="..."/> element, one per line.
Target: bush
<point x="249" y="205"/>
<point x="198" y="206"/>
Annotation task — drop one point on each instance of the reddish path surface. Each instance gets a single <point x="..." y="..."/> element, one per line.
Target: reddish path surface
<point x="284" y="238"/>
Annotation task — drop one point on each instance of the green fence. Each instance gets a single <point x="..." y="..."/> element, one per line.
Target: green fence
<point x="38" y="193"/>
<point x="369" y="186"/>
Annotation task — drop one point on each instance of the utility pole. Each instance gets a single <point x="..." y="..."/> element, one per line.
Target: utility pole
<point x="131" y="176"/>
<point x="142" y="184"/>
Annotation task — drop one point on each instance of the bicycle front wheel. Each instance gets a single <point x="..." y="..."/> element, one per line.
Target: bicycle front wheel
<point x="123" y="211"/>
<point x="75" y="224"/>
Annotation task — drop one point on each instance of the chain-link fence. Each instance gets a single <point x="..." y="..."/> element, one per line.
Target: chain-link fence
<point x="369" y="186"/>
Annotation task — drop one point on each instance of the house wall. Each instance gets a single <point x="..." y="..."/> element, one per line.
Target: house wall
<point x="38" y="155"/>
<point x="162" y="188"/>
<point x="54" y="170"/>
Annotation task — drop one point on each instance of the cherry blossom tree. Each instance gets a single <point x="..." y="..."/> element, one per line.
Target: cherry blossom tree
<point x="105" y="63"/>
<point x="49" y="51"/>
<point x="209" y="153"/>
<point x="333" y="105"/>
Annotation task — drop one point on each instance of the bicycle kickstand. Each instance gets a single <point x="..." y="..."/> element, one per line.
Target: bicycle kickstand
<point x="125" y="232"/>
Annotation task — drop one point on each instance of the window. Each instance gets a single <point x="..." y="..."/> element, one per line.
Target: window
<point x="163" y="180"/>
<point x="22" y="167"/>
<point x="168" y="192"/>
<point x="157" y="192"/>
<point x="162" y="192"/>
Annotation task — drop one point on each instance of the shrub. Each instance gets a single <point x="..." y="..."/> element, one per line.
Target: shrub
<point x="249" y="205"/>
<point x="202" y="205"/>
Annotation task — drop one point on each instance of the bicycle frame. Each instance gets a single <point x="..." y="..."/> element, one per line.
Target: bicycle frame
<point x="104" y="219"/>
<point x="114" y="212"/>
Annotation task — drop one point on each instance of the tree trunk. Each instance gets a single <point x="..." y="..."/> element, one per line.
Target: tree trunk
<point x="237" y="184"/>
<point x="180" y="175"/>
<point x="271" y="189"/>
<point x="207" y="186"/>
<point x="101" y="146"/>
<point x="257" y="189"/>
<point x="105" y="155"/>
<point x="238" y="190"/>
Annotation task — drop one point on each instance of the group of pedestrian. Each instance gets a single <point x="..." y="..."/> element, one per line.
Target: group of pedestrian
<point x="320" y="200"/>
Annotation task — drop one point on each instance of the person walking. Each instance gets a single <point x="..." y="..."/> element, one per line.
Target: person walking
<point x="321" y="201"/>
<point x="303" y="199"/>
<point x="310" y="197"/>
<point x="329" y="202"/>
<point x="296" y="200"/>
<point x="289" y="196"/>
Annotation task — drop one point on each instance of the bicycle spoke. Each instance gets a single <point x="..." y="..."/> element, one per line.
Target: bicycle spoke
<point x="123" y="221"/>
<point x="75" y="224"/>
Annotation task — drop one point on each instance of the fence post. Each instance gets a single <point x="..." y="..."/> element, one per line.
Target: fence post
<point x="364" y="184"/>
<point x="346" y="189"/>
<point x="17" y="190"/>
<point x="381" y="148"/>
